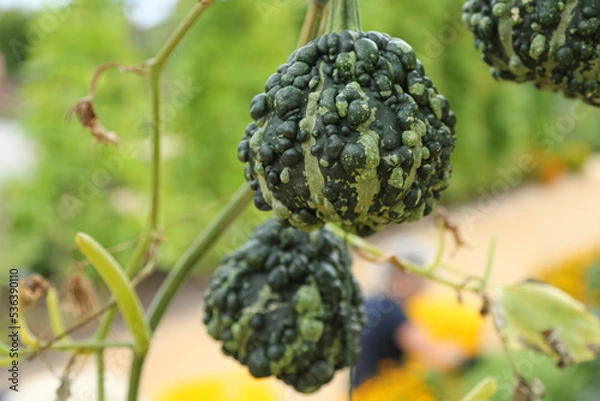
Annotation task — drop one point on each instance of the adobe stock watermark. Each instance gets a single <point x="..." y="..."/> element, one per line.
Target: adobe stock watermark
<point x="489" y="199"/>
<point x="184" y="92"/>
<point x="511" y="177"/>
<point x="89" y="188"/>
<point x="14" y="330"/>
<point x="57" y="12"/>
<point x="445" y="36"/>
<point x="554" y="134"/>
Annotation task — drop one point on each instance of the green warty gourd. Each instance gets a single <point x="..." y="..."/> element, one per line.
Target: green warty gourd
<point x="552" y="43"/>
<point x="286" y="304"/>
<point x="351" y="131"/>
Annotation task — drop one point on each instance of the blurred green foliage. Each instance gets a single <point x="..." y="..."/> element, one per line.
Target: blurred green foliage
<point x="208" y="86"/>
<point x="576" y="383"/>
<point x="13" y="38"/>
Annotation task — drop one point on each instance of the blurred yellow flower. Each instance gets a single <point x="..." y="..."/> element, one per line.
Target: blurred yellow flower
<point x="448" y="321"/>
<point x="395" y="384"/>
<point x="571" y="275"/>
<point x="226" y="387"/>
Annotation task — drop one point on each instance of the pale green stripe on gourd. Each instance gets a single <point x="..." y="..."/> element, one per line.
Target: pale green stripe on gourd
<point x="367" y="180"/>
<point x="505" y="29"/>
<point x="312" y="169"/>
<point x="241" y="328"/>
<point x="559" y="36"/>
<point x="506" y="32"/>
<point x="279" y="208"/>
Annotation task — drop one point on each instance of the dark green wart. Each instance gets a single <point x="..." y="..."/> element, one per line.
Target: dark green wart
<point x="555" y="44"/>
<point x="349" y="131"/>
<point x="286" y="304"/>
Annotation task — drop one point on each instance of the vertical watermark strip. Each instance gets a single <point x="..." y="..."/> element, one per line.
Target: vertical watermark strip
<point x="13" y="328"/>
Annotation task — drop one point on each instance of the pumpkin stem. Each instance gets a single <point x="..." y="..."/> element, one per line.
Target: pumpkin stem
<point x="344" y="14"/>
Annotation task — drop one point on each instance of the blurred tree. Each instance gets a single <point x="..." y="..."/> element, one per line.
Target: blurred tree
<point x="74" y="186"/>
<point x="14" y="40"/>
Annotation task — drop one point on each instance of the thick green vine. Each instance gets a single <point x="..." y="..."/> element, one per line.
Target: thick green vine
<point x="344" y="15"/>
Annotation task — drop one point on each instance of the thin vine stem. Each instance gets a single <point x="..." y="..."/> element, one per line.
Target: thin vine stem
<point x="135" y="376"/>
<point x="441" y="247"/>
<point x="139" y="70"/>
<point x="100" y="373"/>
<point x="156" y="65"/>
<point x="313" y="21"/>
<point x="154" y="218"/>
<point x="156" y="68"/>
<point x="86" y="346"/>
<point x="181" y="30"/>
<point x="379" y="255"/>
<point x="489" y="264"/>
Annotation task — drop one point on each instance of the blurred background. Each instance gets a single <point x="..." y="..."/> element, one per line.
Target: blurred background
<point x="526" y="171"/>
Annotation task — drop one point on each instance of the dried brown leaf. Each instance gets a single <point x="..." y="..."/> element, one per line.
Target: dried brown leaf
<point x="87" y="116"/>
<point x="81" y="294"/>
<point x="32" y="288"/>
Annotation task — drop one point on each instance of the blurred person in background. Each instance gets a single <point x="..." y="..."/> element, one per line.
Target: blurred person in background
<point x="390" y="336"/>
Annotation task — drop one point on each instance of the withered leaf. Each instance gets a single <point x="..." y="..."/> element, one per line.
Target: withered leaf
<point x="544" y="318"/>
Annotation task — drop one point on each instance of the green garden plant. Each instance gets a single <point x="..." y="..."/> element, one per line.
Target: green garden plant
<point x="349" y="136"/>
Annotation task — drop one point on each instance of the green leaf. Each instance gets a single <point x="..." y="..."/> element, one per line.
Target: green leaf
<point x="483" y="391"/>
<point x="546" y="319"/>
<point x="115" y="278"/>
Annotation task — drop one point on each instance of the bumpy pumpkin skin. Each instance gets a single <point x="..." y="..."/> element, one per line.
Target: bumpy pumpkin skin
<point x="351" y="131"/>
<point x="286" y="304"/>
<point x="555" y="44"/>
